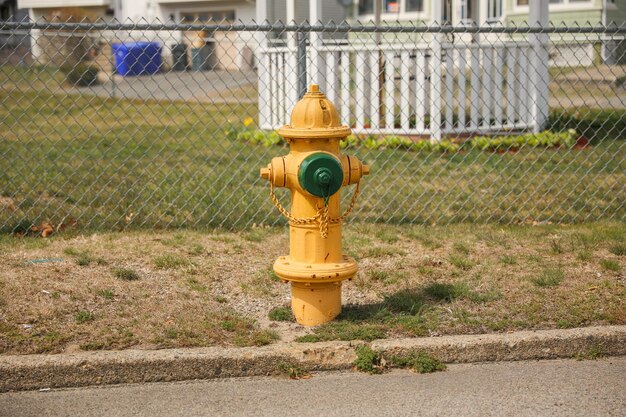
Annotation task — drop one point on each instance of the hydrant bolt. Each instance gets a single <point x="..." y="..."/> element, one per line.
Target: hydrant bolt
<point x="314" y="171"/>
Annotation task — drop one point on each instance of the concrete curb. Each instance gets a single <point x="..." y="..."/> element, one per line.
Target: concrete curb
<point x="29" y="372"/>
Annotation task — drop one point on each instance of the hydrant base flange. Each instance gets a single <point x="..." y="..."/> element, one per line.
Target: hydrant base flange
<point x="288" y="269"/>
<point x="315" y="303"/>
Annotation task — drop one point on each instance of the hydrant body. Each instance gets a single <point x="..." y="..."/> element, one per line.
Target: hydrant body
<point x="314" y="171"/>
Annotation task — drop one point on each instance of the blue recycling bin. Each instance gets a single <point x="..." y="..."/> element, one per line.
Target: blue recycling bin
<point x="137" y="58"/>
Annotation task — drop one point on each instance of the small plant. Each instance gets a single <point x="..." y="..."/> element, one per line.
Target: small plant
<point x="610" y="265"/>
<point x="619" y="249"/>
<point x="170" y="261"/>
<point x="446" y="292"/>
<point x="105" y="293"/>
<point x="461" y="248"/>
<point x="593" y="353"/>
<point x="280" y="314"/>
<point x="584" y="255"/>
<point x="84" y="259"/>
<point x="368" y="361"/>
<point x="556" y="247"/>
<point x="196" y="249"/>
<point x="293" y="371"/>
<point x="195" y="285"/>
<point x="420" y="362"/>
<point x="125" y="274"/>
<point x="228" y="325"/>
<point x="378" y="275"/>
<point x="83" y="316"/>
<point x="343" y="330"/>
<point x="508" y="260"/>
<point x="549" y="278"/>
<point x="461" y="262"/>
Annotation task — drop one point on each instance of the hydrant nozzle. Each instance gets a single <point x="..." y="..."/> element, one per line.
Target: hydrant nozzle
<point x="315" y="171"/>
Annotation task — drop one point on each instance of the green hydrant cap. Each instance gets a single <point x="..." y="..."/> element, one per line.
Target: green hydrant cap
<point x="320" y="174"/>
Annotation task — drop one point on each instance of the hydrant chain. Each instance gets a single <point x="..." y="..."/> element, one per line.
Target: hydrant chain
<point x="322" y="214"/>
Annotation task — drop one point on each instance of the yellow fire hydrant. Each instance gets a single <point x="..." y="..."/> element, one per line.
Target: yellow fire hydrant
<point x="314" y="171"/>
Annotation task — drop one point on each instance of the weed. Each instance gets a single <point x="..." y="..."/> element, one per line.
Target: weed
<point x="484" y="297"/>
<point x="367" y="360"/>
<point x="228" y="325"/>
<point x="256" y="234"/>
<point x="382" y="251"/>
<point x="461" y="247"/>
<point x="342" y="330"/>
<point x="556" y="248"/>
<point x="280" y="314"/>
<point x="220" y="299"/>
<point x="584" y="255"/>
<point x="461" y="262"/>
<point x="84" y="259"/>
<point x="170" y="261"/>
<point x="293" y="371"/>
<point x="106" y="294"/>
<point x="83" y="316"/>
<point x="619" y="249"/>
<point x="508" y="260"/>
<point x="378" y="275"/>
<point x="259" y="284"/>
<point x="610" y="265"/>
<point x="445" y="291"/>
<point x="71" y="251"/>
<point x="196" y="249"/>
<point x="195" y="285"/>
<point x="595" y="352"/>
<point x="261" y="338"/>
<point x="387" y="236"/>
<point x="420" y="362"/>
<point x="125" y="274"/>
<point x="549" y="278"/>
<point x="564" y="324"/>
<point x="407" y="301"/>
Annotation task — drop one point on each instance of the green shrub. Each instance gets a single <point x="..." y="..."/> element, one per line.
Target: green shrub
<point x="280" y="314"/>
<point x="82" y="75"/>
<point x="420" y="362"/>
<point x="367" y="360"/>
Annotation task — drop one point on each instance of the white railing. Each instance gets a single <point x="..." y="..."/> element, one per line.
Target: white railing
<point x="410" y="89"/>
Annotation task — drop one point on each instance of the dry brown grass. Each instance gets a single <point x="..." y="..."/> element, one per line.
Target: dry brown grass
<point x="187" y="288"/>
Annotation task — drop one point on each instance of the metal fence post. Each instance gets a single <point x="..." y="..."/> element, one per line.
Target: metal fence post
<point x="301" y="57"/>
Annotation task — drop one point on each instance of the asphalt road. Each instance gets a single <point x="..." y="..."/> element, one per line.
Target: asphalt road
<point x="545" y="388"/>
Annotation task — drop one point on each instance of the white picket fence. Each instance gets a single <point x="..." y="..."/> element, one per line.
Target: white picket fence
<point x="426" y="90"/>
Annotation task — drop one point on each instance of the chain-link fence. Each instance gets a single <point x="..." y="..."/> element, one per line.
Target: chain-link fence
<point x="110" y="126"/>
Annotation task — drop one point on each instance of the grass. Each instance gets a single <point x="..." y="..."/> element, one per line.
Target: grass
<point x="230" y="298"/>
<point x="280" y="314"/>
<point x="100" y="162"/>
<point x="549" y="278"/>
<point x="367" y="360"/>
<point x="126" y="274"/>
<point x="372" y="362"/>
<point x="610" y="265"/>
<point x="420" y="362"/>
<point x="170" y="261"/>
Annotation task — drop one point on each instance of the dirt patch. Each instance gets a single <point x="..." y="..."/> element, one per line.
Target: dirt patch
<point x="188" y="288"/>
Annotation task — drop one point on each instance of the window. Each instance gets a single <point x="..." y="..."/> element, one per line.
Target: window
<point x="366" y="6"/>
<point x="414" y="5"/>
<point x="494" y="9"/>
<point x="391" y="6"/>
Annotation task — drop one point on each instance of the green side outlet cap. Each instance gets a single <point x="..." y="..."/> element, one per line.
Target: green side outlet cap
<point x="320" y="174"/>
